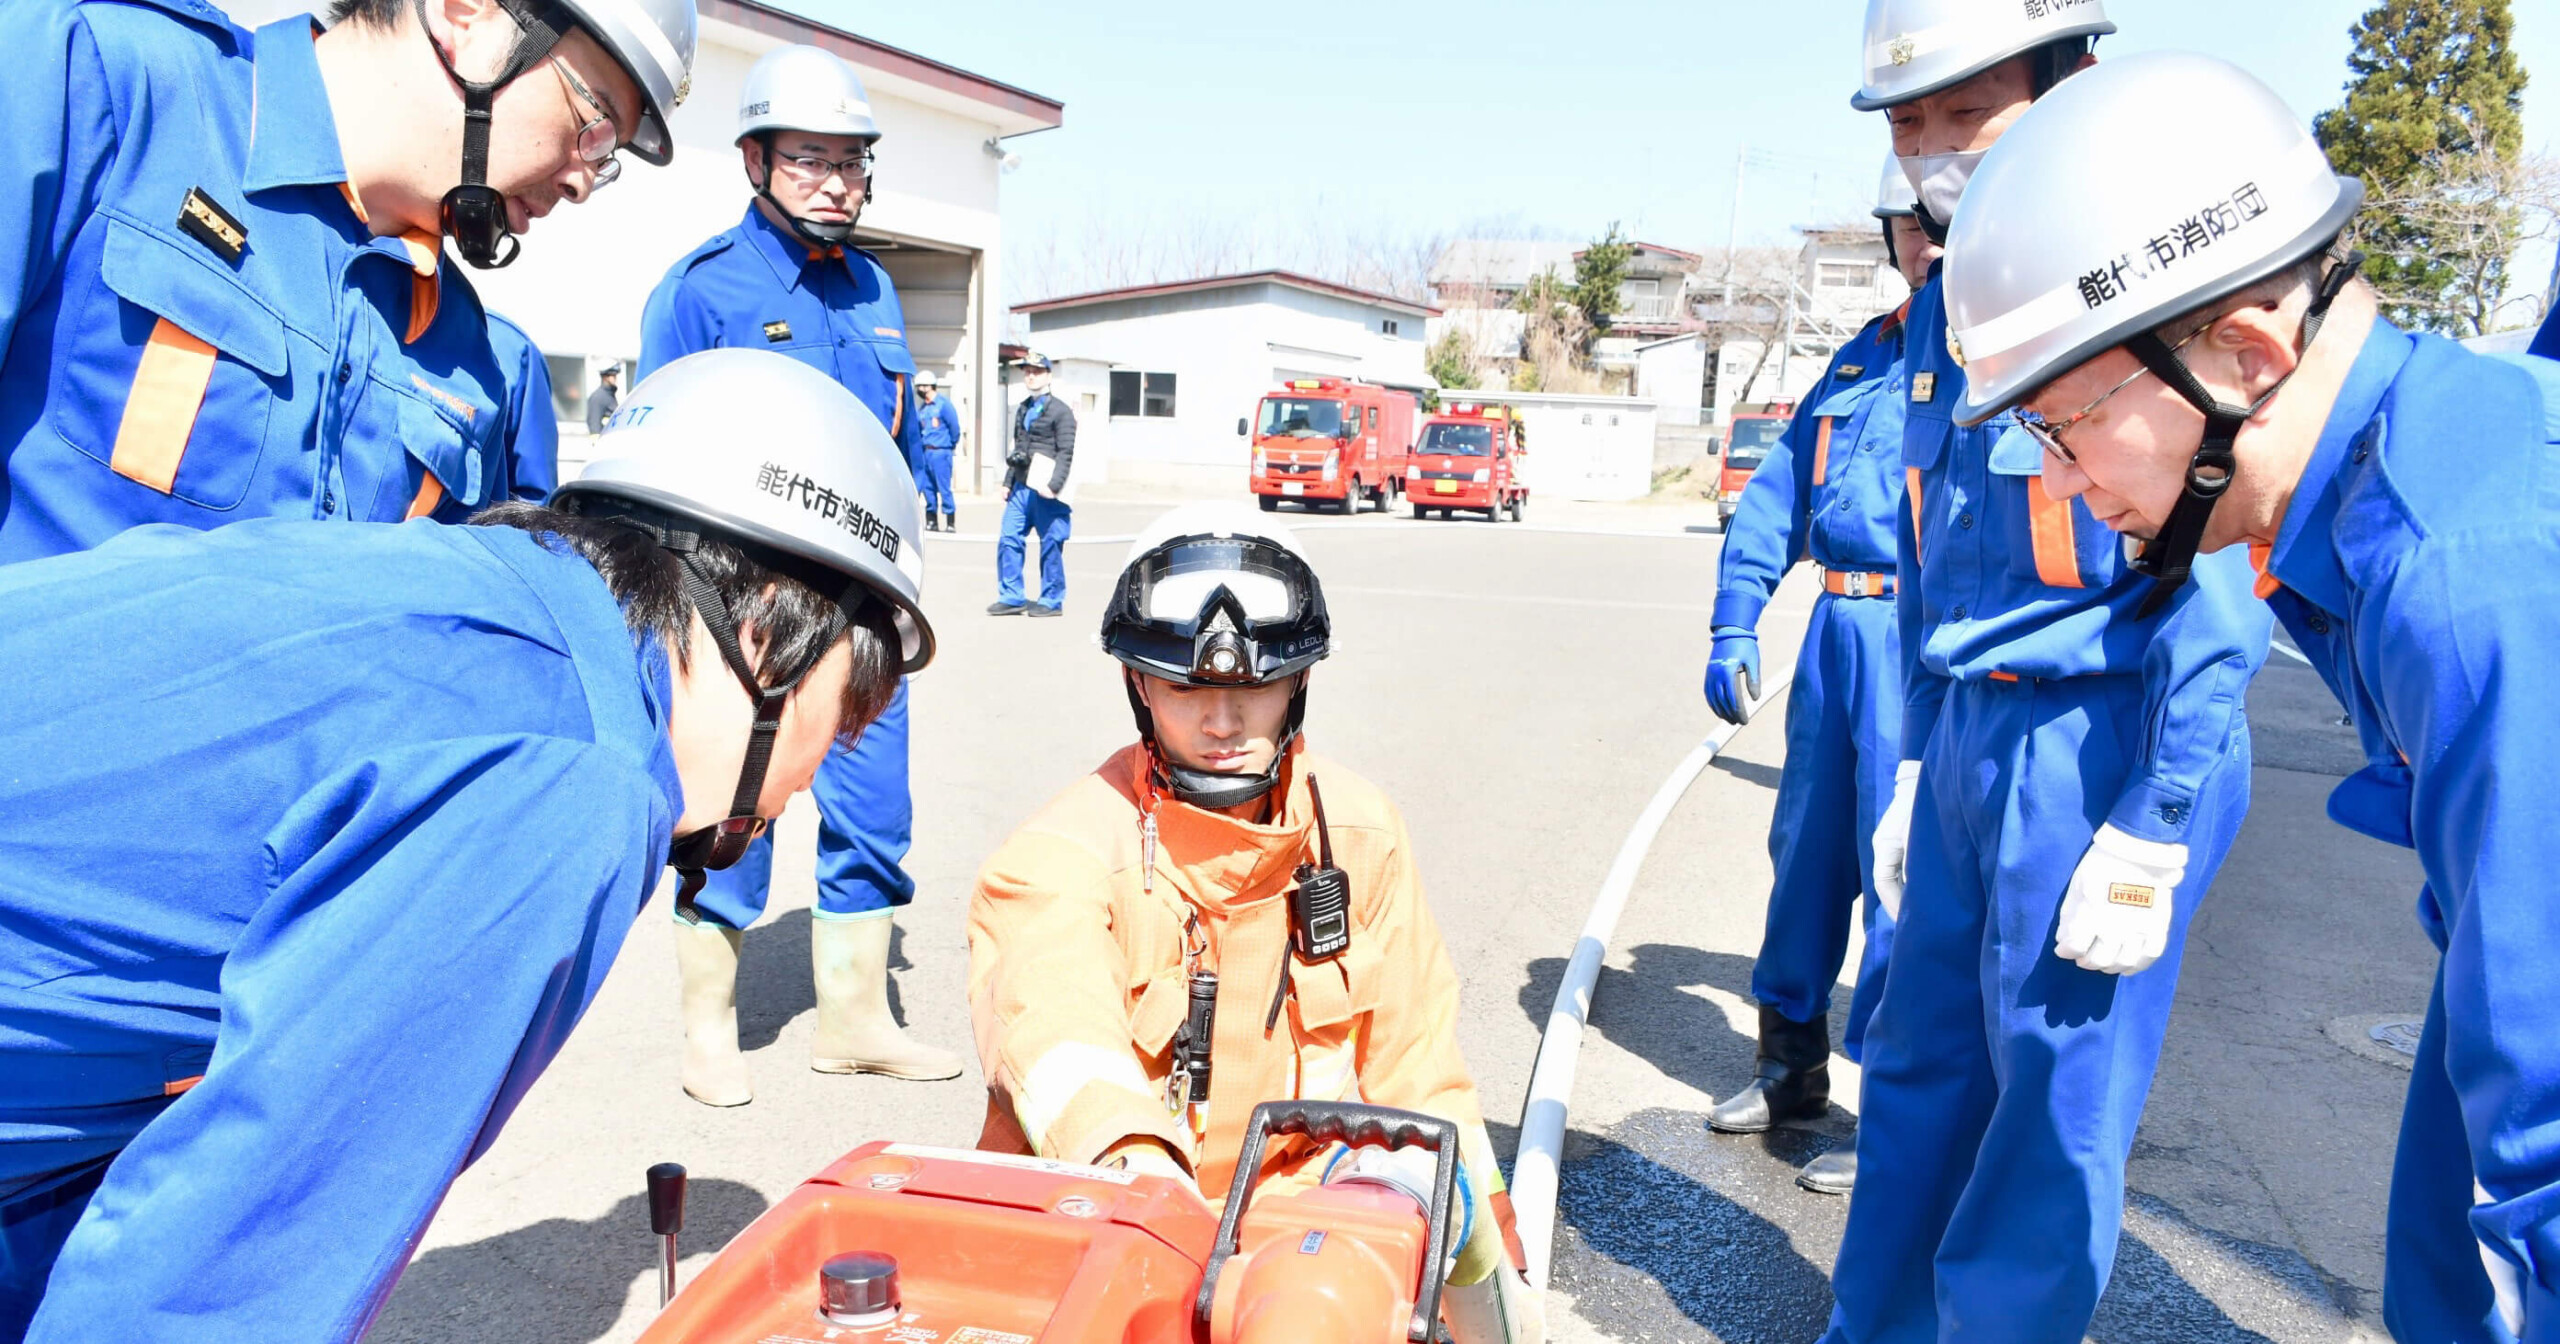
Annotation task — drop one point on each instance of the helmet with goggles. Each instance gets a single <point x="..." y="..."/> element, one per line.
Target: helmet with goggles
<point x="1214" y="595"/>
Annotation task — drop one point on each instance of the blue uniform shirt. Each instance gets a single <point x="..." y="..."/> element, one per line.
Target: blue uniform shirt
<point x="938" y="425"/>
<point x="2000" y="580"/>
<point x="198" y="327"/>
<point x="1832" y="485"/>
<point x="758" y="287"/>
<point x="321" y="840"/>
<point x="530" y="428"/>
<point x="2407" y="560"/>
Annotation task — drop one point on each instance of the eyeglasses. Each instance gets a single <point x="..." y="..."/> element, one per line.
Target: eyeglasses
<point x="813" y="171"/>
<point x="598" y="138"/>
<point x="2050" y="432"/>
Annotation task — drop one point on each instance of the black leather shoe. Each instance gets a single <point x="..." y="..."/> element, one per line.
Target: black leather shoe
<point x="1794" y="1079"/>
<point x="951" y="522"/>
<point x="1007" y="608"/>
<point x="1833" y="1173"/>
<point x="1036" y="609"/>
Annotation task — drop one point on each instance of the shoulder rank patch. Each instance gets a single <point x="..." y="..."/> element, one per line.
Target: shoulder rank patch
<point x="1852" y="370"/>
<point x="1924" y="386"/>
<point x="777" y="332"/>
<point x="208" y="223"/>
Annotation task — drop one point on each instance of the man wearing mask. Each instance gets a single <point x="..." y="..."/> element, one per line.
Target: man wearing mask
<point x="222" y="290"/>
<point x="785" y="279"/>
<point x="2075" y="765"/>
<point x="2233" y="385"/>
<point x="1039" y="483"/>
<point x="938" y="436"/>
<point x="1831" y="490"/>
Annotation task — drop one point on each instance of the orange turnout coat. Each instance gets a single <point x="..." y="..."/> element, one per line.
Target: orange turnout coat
<point x="1077" y="977"/>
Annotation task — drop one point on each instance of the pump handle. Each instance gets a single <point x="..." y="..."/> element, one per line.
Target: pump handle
<point x="1359" y="1125"/>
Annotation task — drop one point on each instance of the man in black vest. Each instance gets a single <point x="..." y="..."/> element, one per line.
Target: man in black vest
<point x="1037" y="496"/>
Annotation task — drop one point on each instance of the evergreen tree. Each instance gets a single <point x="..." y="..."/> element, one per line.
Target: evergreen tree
<point x="2433" y="125"/>
<point x="1597" y="274"/>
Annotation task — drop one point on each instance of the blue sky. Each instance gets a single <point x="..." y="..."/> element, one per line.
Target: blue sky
<point x="1412" y="119"/>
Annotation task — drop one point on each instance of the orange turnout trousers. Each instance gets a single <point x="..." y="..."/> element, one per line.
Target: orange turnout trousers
<point x="1079" y="950"/>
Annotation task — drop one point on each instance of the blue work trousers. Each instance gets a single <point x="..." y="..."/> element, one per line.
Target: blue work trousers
<point x="32" y="1230"/>
<point x="1844" y="737"/>
<point x="2002" y="1083"/>
<point x="1026" y="511"/>
<point x="866" y="820"/>
<point x="933" y="481"/>
<point x="2436" y="1281"/>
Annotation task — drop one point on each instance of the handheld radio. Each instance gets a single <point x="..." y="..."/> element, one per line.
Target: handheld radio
<point x="1320" y="906"/>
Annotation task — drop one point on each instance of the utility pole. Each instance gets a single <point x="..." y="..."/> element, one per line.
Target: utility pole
<point x="1732" y="220"/>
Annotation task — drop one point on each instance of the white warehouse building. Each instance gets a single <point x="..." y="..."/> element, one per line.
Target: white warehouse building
<point x="1158" y="375"/>
<point x="588" y="269"/>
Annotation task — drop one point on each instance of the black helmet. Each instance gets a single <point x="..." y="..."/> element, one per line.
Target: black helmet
<point x="1212" y="595"/>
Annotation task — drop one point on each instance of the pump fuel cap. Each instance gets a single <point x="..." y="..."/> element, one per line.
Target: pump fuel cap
<point x="859" y="1288"/>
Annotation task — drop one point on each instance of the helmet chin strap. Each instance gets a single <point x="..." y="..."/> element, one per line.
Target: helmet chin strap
<point x="815" y="233"/>
<point x="1207" y="789"/>
<point x="475" y="213"/>
<point x="2170" y="557"/>
<point x="724" y="843"/>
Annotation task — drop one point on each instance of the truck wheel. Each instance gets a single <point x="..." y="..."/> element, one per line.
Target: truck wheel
<point x="1518" y="503"/>
<point x="1269" y="503"/>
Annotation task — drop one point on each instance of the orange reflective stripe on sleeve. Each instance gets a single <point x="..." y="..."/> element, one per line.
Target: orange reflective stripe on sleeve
<point x="173" y="1088"/>
<point x="1911" y="481"/>
<point x="898" y="405"/>
<point x="430" y="494"/>
<point x="1821" y="448"/>
<point x="2057" y="553"/>
<point x="168" y="390"/>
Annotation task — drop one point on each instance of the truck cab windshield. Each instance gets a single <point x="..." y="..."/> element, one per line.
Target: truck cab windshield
<point x="1751" y="442"/>
<point x="1458" y="440"/>
<point x="1292" y="417"/>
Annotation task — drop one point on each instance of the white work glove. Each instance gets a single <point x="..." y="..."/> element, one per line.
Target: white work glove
<point x="1892" y="841"/>
<point x="2115" y="918"/>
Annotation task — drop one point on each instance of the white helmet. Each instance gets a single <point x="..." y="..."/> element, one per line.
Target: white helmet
<point x="1916" y="47"/>
<point x="1895" y="197"/>
<point x="764" y="450"/>
<point x="804" y="88"/>
<point x="2135" y="191"/>
<point x="653" y="41"/>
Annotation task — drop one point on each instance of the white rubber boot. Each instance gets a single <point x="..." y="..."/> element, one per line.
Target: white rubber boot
<point x="715" y="1074"/>
<point x="849" y="960"/>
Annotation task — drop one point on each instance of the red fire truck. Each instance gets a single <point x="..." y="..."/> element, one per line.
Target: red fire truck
<point x="1330" y="443"/>
<point x="1747" y="442"/>
<point x="1469" y="458"/>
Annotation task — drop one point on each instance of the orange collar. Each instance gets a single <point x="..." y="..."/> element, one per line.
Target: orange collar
<point x="426" y="251"/>
<point x="2261" y="552"/>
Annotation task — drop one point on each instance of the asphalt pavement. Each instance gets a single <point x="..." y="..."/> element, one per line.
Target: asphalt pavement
<point x="1520" y="690"/>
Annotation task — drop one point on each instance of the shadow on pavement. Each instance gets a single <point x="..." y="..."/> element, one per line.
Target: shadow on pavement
<point x="773" y="977"/>
<point x="1637" y="1230"/>
<point x="1749" y="772"/>
<point x="1649" y="1011"/>
<point x="559" y="1281"/>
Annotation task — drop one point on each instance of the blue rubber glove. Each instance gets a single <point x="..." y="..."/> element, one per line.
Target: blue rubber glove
<point x="1733" y="673"/>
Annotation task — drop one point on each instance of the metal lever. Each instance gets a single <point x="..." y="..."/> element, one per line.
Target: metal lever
<point x="666" y="1218"/>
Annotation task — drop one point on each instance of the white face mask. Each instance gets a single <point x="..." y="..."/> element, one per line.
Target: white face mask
<point x="1940" y="179"/>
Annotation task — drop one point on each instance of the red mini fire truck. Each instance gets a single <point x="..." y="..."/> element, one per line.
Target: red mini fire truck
<point x="1330" y="443"/>
<point x="1747" y="442"/>
<point x="1469" y="458"/>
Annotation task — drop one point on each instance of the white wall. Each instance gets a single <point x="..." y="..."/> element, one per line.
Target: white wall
<point x="1673" y="375"/>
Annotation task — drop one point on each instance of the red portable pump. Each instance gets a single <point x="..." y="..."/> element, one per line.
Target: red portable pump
<point x="902" y="1244"/>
